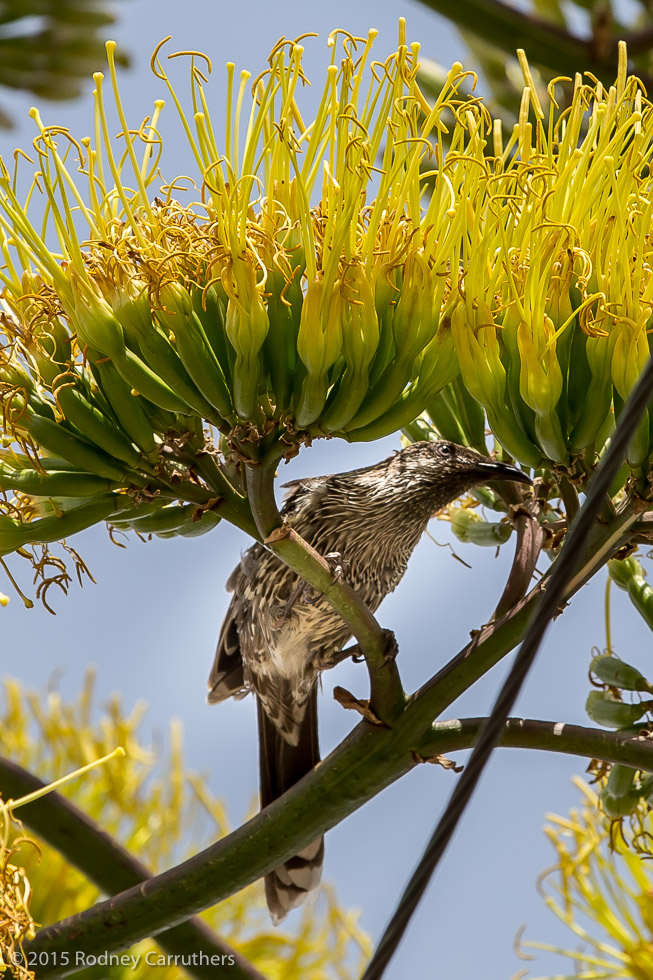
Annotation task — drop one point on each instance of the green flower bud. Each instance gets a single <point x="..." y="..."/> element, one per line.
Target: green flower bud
<point x="540" y="384"/>
<point x="613" y="671"/>
<point x="319" y="344"/>
<point x="629" y="575"/>
<point x="540" y="381"/>
<point x="96" y="324"/>
<point x="626" y="571"/>
<point x="597" y="402"/>
<point x="619" y="806"/>
<point x="620" y="780"/>
<point x="606" y="710"/>
<point x="246" y="325"/>
<point x="469" y="527"/>
<point x="360" y="339"/>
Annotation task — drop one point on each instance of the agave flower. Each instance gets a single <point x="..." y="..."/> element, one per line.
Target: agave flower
<point x="16" y="922"/>
<point x="311" y="288"/>
<point x="162" y="811"/>
<point x="601" y="889"/>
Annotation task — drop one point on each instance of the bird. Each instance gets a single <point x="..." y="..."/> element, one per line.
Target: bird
<point x="278" y="635"/>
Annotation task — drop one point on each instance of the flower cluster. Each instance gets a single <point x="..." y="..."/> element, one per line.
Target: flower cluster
<point x="313" y="288"/>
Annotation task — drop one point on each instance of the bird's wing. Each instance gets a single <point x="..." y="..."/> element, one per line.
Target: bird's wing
<point x="299" y="489"/>
<point x="227" y="676"/>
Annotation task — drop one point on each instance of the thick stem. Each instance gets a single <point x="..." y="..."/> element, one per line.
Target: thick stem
<point x="112" y="868"/>
<point x="387" y="696"/>
<point x="569" y="496"/>
<point x="234" y="510"/>
<point x="365" y="763"/>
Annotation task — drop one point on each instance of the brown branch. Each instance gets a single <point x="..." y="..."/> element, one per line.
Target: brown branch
<point x="530" y="538"/>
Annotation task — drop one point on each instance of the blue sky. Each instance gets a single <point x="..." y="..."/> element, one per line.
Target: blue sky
<point x="151" y="622"/>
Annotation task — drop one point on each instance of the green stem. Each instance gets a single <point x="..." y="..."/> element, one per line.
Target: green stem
<point x="232" y="509"/>
<point x="387" y="696"/>
<point x="498" y="638"/>
<point x="547" y="736"/>
<point x="112" y="869"/>
<point x="370" y="759"/>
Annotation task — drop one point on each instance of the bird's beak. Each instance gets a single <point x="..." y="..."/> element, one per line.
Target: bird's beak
<point x="490" y="470"/>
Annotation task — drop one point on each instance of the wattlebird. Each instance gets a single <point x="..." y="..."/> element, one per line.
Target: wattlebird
<point x="278" y="636"/>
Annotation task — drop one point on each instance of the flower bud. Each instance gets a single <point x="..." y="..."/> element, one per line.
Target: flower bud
<point x="625" y="571"/>
<point x="469" y="527"/>
<point x="613" y="671"/>
<point x="319" y="344"/>
<point x="540" y="383"/>
<point x="246" y="325"/>
<point x="96" y="323"/>
<point x="606" y="710"/>
<point x="629" y="575"/>
<point x="619" y="806"/>
<point x="620" y="780"/>
<point x="360" y="339"/>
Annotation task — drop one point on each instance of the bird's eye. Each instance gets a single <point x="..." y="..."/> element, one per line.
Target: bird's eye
<point x="446" y="449"/>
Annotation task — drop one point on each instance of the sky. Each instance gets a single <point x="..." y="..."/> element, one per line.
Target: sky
<point x="150" y="623"/>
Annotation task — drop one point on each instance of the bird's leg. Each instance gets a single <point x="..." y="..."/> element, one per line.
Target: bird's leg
<point x="391" y="647"/>
<point x="339" y="567"/>
<point x="308" y="594"/>
<point x="286" y="609"/>
<point x="354" y="653"/>
<point x="333" y="659"/>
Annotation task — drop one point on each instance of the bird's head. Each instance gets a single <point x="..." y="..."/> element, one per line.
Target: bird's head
<point x="448" y="470"/>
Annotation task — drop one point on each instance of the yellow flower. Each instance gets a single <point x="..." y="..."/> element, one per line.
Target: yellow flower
<point x="254" y="244"/>
<point x="333" y="275"/>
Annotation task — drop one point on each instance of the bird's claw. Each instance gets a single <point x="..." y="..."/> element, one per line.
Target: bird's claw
<point x="339" y="568"/>
<point x="330" y="660"/>
<point x="391" y="647"/>
<point x="310" y="595"/>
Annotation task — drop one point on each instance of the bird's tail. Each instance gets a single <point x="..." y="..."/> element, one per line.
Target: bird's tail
<point x="281" y="766"/>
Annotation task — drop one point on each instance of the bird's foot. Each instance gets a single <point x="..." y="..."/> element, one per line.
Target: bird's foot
<point x="354" y="653"/>
<point x="391" y="647"/>
<point x="282" y="612"/>
<point x="339" y="567"/>
<point x="330" y="660"/>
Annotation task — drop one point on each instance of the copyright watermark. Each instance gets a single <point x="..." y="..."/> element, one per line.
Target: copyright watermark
<point x="153" y="957"/>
